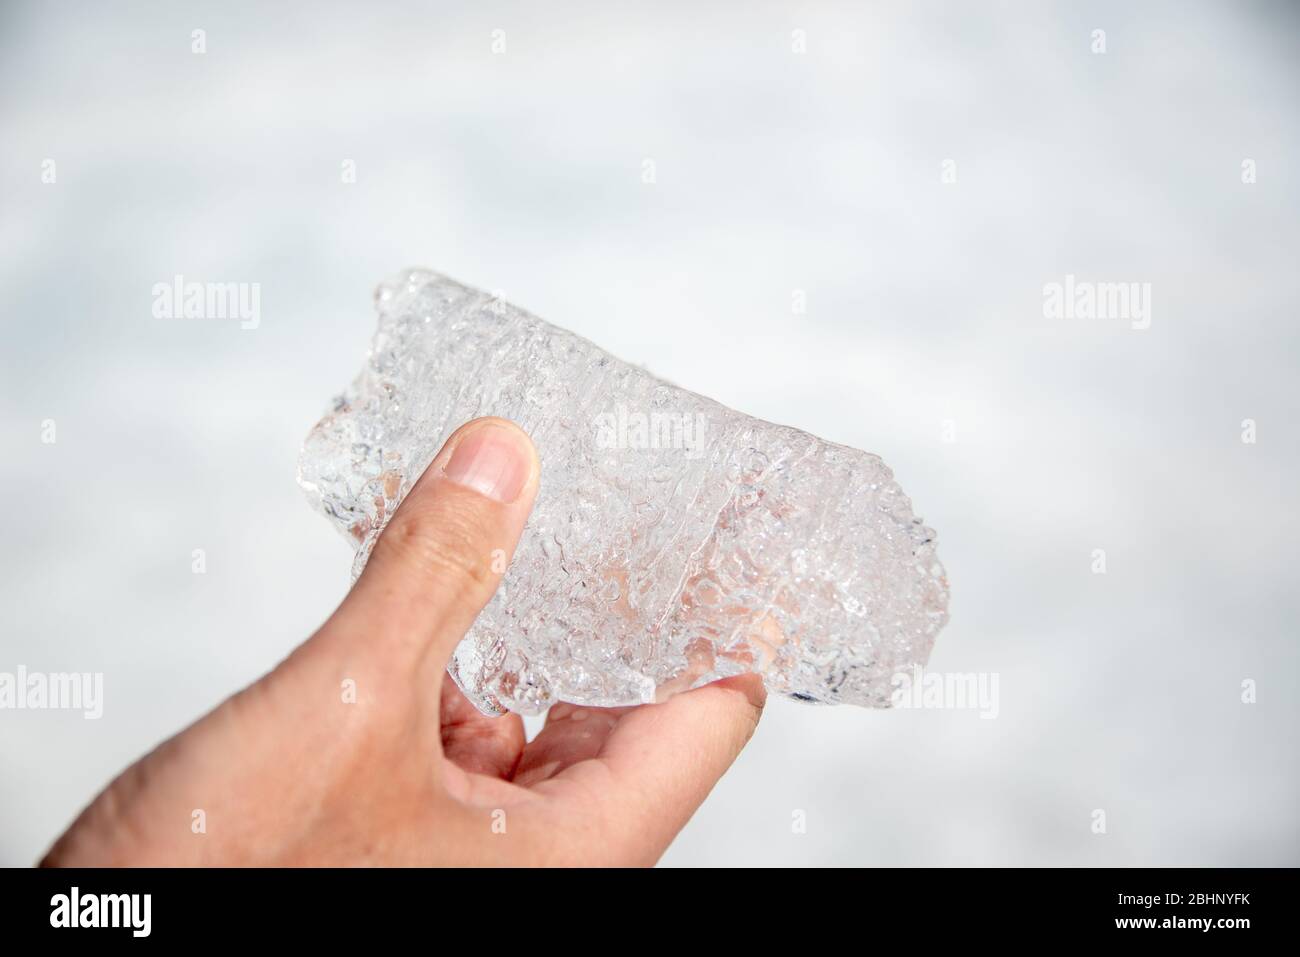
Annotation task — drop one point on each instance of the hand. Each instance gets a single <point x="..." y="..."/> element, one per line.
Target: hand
<point x="287" y="772"/>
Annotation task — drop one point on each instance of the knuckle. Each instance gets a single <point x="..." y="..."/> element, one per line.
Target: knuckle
<point x="445" y="543"/>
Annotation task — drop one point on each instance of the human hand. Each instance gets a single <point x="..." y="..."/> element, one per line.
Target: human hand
<point x="287" y="772"/>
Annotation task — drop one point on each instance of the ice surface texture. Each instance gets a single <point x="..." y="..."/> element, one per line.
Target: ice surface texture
<point x="673" y="542"/>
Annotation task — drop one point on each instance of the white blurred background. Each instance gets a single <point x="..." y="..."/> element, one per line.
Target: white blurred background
<point x="775" y="171"/>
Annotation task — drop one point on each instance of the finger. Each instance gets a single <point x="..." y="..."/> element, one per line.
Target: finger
<point x="443" y="553"/>
<point x="642" y="773"/>
<point x="571" y="734"/>
<point x="475" y="742"/>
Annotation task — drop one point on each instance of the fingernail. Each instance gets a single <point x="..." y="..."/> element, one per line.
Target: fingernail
<point x="493" y="461"/>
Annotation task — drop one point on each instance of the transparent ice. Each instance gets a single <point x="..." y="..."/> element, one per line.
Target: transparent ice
<point x="673" y="542"/>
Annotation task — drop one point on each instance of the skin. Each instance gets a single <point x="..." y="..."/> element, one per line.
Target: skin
<point x="287" y="773"/>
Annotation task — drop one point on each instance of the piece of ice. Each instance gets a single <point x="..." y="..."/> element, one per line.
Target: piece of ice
<point x="673" y="542"/>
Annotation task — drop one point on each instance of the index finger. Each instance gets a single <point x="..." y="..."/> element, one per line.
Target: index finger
<point x="641" y="781"/>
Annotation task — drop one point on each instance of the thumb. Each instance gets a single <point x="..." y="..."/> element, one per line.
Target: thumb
<point x="440" y="558"/>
